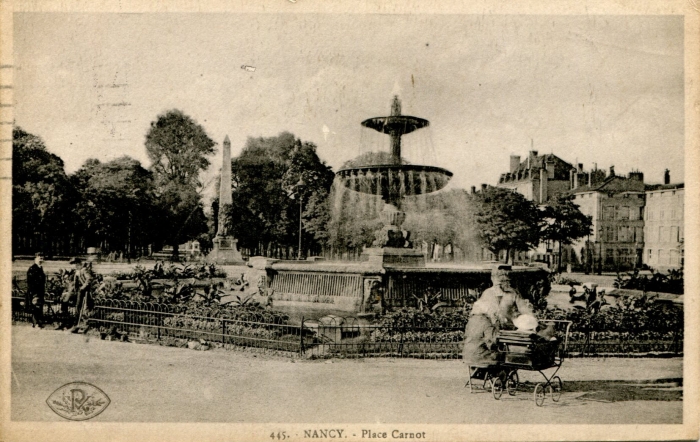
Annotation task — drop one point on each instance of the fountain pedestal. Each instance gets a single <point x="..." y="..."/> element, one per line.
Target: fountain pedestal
<point x="394" y="257"/>
<point x="392" y="246"/>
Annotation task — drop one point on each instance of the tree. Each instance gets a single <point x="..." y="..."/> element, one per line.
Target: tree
<point x="41" y="195"/>
<point x="265" y="211"/>
<point x="117" y="205"/>
<point x="506" y="220"/>
<point x="178" y="148"/>
<point x="564" y="223"/>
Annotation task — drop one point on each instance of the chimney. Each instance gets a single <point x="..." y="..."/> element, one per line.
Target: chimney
<point x="550" y="170"/>
<point x="531" y="158"/>
<point x="483" y="187"/>
<point x="473" y="190"/>
<point x="543" y="186"/>
<point x="612" y="171"/>
<point x="572" y="173"/>
<point x="636" y="175"/>
<point x="574" y="179"/>
<point x="667" y="176"/>
<point x="514" y="163"/>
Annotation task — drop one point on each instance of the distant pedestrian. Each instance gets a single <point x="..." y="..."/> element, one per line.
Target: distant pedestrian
<point x="36" y="290"/>
<point x="69" y="294"/>
<point x="82" y="283"/>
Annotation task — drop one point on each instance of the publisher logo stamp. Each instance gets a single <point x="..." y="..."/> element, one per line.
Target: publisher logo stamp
<point x="78" y="401"/>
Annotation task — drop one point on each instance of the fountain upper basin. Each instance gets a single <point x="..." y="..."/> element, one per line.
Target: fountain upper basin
<point x="393" y="181"/>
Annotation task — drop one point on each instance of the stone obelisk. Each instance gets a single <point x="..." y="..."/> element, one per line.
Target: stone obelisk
<point x="225" y="249"/>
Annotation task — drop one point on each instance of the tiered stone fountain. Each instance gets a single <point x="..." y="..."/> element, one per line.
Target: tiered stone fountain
<point x="393" y="182"/>
<point x="393" y="274"/>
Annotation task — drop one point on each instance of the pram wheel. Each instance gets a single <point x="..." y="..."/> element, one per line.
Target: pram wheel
<point x="512" y="382"/>
<point x="539" y="395"/>
<point x="556" y="387"/>
<point x="496" y="387"/>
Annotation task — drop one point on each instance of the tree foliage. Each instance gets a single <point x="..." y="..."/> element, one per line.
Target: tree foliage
<point x="506" y="220"/>
<point x="41" y="193"/>
<point x="117" y="209"/>
<point x="564" y="222"/>
<point x="265" y="211"/>
<point x="178" y="148"/>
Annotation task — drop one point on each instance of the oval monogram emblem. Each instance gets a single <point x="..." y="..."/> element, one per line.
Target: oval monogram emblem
<point x="78" y="401"/>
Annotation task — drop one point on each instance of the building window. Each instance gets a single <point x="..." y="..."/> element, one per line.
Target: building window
<point x="649" y="253"/>
<point x="634" y="213"/>
<point x="622" y="233"/>
<point x="609" y="213"/>
<point x="675" y="234"/>
<point x="623" y="213"/>
<point x="661" y="215"/>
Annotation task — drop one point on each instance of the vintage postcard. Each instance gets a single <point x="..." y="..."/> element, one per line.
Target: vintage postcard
<point x="299" y="220"/>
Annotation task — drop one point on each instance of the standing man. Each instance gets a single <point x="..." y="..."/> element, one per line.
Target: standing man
<point x="69" y="293"/>
<point x="36" y="289"/>
<point x="82" y="281"/>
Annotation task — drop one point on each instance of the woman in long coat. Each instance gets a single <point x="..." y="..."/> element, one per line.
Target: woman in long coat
<point x="496" y="308"/>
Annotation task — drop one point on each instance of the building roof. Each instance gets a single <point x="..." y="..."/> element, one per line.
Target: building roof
<point x="561" y="167"/>
<point x="614" y="184"/>
<point x="653" y="187"/>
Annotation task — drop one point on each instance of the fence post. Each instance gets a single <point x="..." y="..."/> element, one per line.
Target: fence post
<point x="223" y="331"/>
<point x="675" y="342"/>
<point x="301" y="337"/>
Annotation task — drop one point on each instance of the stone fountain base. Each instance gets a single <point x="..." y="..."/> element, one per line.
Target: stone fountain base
<point x="357" y="289"/>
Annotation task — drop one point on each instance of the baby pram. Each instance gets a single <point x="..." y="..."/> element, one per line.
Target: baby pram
<point x="528" y="351"/>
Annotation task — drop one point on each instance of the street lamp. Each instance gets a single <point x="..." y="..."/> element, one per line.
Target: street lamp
<point x="298" y="188"/>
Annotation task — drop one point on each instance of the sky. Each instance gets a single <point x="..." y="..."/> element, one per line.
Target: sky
<point x="604" y="90"/>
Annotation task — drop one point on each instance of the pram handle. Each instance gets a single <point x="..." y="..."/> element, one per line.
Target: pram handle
<point x="566" y="332"/>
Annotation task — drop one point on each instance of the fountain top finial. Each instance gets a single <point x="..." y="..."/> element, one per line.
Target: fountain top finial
<point x="396" y="106"/>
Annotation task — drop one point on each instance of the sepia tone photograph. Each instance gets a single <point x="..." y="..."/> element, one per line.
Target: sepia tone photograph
<point x="295" y="223"/>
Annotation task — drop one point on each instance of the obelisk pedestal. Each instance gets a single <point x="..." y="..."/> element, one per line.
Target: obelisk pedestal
<point x="225" y="249"/>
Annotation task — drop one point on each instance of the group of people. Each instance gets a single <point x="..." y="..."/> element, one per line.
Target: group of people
<point x="76" y="291"/>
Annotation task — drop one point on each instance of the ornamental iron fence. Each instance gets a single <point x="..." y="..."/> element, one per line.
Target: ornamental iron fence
<point x="329" y="337"/>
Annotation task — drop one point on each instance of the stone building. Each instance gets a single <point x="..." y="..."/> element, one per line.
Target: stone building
<point x="539" y="177"/>
<point x="663" y="225"/>
<point x="616" y="206"/>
